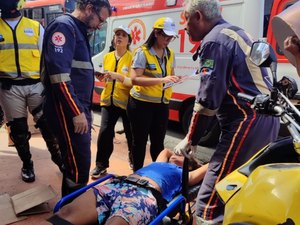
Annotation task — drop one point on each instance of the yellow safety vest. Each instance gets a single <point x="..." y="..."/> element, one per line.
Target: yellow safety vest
<point x="154" y="93"/>
<point x="114" y="90"/>
<point x="20" y="57"/>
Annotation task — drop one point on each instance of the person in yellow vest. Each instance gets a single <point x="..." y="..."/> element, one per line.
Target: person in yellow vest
<point x="20" y="86"/>
<point x="114" y="97"/>
<point x="148" y="105"/>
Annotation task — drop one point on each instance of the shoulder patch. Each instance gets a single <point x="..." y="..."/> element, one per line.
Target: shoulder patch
<point x="151" y="66"/>
<point x="58" y="39"/>
<point x="208" y="63"/>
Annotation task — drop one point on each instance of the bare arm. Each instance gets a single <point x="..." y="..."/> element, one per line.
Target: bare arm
<point x="197" y="175"/>
<point x="164" y="155"/>
<point x="138" y="78"/>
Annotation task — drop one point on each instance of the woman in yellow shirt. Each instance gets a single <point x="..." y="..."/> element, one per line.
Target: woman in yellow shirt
<point x="148" y="106"/>
<point x="114" y="97"/>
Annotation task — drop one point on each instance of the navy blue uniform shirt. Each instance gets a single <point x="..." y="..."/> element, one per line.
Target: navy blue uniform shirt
<point x="69" y="72"/>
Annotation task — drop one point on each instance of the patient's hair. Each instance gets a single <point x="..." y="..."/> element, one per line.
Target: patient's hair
<point x="193" y="164"/>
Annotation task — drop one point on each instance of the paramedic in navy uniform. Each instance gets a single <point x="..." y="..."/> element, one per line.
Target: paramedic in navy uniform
<point x="68" y="77"/>
<point x="225" y="70"/>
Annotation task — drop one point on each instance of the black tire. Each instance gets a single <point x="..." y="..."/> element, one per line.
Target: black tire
<point x="210" y="137"/>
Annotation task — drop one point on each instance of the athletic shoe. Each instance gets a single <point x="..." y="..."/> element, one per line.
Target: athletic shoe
<point x="98" y="171"/>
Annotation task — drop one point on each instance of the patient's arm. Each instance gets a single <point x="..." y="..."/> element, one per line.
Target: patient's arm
<point x="164" y="155"/>
<point x="197" y="175"/>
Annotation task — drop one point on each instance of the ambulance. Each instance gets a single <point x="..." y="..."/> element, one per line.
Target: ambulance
<point x="254" y="16"/>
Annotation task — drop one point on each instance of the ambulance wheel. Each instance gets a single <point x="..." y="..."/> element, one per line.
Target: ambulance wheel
<point x="211" y="135"/>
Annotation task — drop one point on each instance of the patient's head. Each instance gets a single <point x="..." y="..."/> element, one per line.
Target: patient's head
<point x="178" y="160"/>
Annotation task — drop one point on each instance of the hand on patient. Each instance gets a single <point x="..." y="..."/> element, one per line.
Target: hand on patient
<point x="184" y="147"/>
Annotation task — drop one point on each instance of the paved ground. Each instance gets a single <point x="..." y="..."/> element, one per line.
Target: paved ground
<point x="47" y="172"/>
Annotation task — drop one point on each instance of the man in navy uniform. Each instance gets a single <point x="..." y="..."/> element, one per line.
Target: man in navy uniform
<point x="225" y="70"/>
<point x="68" y="77"/>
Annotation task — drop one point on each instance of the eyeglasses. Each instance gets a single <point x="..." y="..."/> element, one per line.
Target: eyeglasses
<point x="167" y="37"/>
<point x="102" y="22"/>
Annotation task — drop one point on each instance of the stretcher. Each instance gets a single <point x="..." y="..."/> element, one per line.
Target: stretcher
<point x="178" y="206"/>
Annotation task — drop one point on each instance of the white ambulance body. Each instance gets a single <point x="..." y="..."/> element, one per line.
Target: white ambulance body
<point x="253" y="16"/>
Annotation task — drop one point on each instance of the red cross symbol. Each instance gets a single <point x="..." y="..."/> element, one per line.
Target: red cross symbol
<point x="136" y="32"/>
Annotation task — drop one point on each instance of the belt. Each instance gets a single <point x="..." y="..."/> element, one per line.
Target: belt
<point x="161" y="202"/>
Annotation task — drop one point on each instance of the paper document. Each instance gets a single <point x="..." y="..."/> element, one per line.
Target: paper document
<point x="182" y="79"/>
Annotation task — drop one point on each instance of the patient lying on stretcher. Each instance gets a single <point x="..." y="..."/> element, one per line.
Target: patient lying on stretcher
<point x="136" y="199"/>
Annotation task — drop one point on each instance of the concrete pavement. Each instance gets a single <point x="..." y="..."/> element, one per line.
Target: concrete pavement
<point x="47" y="172"/>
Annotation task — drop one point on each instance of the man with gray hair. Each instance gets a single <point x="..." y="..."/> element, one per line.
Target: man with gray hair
<point x="225" y="70"/>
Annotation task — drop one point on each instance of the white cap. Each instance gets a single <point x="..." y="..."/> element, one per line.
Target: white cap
<point x="123" y="28"/>
<point x="167" y="25"/>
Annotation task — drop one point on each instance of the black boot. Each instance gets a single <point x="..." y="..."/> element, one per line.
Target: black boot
<point x="27" y="172"/>
<point x="20" y="136"/>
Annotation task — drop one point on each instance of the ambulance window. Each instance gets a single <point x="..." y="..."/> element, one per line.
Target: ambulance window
<point x="98" y="40"/>
<point x="38" y="14"/>
<point x="52" y="16"/>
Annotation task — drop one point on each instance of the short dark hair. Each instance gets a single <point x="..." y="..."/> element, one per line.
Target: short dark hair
<point x="193" y="164"/>
<point x="98" y="4"/>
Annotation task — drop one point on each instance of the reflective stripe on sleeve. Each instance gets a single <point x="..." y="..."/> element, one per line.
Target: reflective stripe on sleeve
<point x="59" y="78"/>
<point x="204" y="111"/>
<point x="82" y="65"/>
